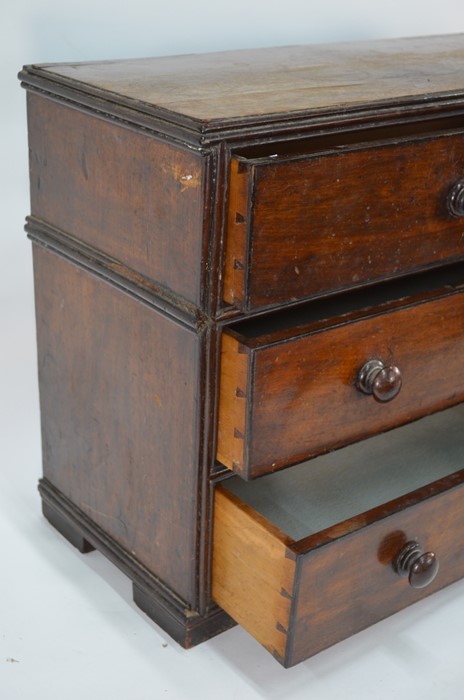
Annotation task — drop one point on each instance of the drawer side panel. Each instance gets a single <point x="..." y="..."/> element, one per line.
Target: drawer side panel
<point x="233" y="403"/>
<point x="253" y="572"/>
<point x="238" y="223"/>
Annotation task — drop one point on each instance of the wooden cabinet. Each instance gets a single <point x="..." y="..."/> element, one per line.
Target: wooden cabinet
<point x="246" y="263"/>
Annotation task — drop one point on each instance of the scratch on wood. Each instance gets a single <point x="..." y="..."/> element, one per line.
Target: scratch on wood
<point x="105" y="515"/>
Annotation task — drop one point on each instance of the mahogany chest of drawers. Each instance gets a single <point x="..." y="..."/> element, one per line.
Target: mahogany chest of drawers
<point x="249" y="273"/>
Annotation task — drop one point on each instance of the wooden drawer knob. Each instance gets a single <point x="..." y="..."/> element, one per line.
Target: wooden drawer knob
<point x="456" y="199"/>
<point x="382" y="381"/>
<point x="420" y="567"/>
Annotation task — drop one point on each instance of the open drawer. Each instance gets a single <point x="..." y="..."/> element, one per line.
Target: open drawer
<point x="292" y="383"/>
<point x="336" y="211"/>
<point x="309" y="556"/>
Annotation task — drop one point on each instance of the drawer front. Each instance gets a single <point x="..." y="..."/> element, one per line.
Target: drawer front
<point x="298" y="598"/>
<point x="284" y="401"/>
<point x="303" y="227"/>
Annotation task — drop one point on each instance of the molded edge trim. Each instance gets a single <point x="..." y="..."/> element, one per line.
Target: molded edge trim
<point x="115" y="273"/>
<point x="158" y="601"/>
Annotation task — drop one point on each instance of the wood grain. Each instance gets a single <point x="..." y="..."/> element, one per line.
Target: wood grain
<point x="119" y="386"/>
<point x="234" y="387"/>
<point x="349" y="218"/>
<point x="344" y="580"/>
<point x="303" y="398"/>
<point x="250" y="83"/>
<point x="236" y="250"/>
<point x="150" y="594"/>
<point x="252" y="572"/>
<point x="349" y="584"/>
<point x="130" y="195"/>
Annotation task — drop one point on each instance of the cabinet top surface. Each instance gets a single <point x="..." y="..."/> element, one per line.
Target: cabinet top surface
<point x="247" y="84"/>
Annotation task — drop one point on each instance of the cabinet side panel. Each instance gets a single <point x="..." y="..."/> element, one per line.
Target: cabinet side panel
<point x="119" y="394"/>
<point x="130" y="195"/>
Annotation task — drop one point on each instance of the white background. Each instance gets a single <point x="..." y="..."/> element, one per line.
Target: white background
<point x="68" y="627"/>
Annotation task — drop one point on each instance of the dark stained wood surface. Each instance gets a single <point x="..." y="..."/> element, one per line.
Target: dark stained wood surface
<point x="350" y="584"/>
<point x="119" y="385"/>
<point x="303" y="398"/>
<point x="150" y="594"/>
<point x="249" y="83"/>
<point x="343" y="219"/>
<point x="344" y="580"/>
<point x="136" y="198"/>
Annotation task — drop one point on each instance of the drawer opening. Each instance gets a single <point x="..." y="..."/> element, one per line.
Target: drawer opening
<point x="316" y="495"/>
<point x="306" y="558"/>
<point x="332" y="141"/>
<point x="266" y="323"/>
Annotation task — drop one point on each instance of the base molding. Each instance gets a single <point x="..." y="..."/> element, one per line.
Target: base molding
<point x="187" y="627"/>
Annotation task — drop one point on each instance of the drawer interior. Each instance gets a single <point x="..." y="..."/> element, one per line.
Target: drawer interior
<point x="282" y="323"/>
<point x="318" y="142"/>
<point x="305" y="558"/>
<point x="334" y="487"/>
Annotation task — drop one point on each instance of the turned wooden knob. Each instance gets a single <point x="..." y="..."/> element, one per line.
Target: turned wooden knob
<point x="456" y="199"/>
<point x="382" y="381"/>
<point x="420" y="567"/>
